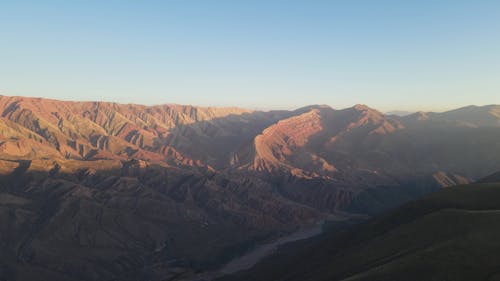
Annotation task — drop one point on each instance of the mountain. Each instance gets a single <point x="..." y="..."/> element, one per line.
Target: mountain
<point x="321" y="141"/>
<point x="66" y="219"/>
<point x="491" y="178"/>
<point x="173" y="134"/>
<point x="448" y="235"/>
<point x="301" y="143"/>
<point x="99" y="190"/>
<point x="469" y="116"/>
<point x="310" y="142"/>
<point x="399" y="112"/>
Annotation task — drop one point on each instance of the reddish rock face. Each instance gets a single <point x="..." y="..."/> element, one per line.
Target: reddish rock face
<point x="96" y="130"/>
<point x="301" y="144"/>
<point x="315" y="141"/>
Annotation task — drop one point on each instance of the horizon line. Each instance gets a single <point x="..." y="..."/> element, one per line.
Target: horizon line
<point x="253" y="108"/>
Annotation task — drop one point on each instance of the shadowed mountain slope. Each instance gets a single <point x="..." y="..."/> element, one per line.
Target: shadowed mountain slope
<point x="130" y="220"/>
<point x="449" y="235"/>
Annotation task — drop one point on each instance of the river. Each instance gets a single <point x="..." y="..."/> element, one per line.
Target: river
<point x="249" y="259"/>
<point x="252" y="257"/>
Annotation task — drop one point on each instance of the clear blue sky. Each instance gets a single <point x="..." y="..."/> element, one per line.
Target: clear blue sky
<point x="408" y="55"/>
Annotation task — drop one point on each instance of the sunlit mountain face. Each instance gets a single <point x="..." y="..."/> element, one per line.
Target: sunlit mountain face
<point x="107" y="191"/>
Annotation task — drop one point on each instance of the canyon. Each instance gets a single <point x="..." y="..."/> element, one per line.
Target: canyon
<point x="108" y="191"/>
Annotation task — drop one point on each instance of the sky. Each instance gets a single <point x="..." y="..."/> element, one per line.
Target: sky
<point x="272" y="54"/>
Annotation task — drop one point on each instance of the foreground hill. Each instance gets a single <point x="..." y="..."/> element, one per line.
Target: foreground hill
<point x="449" y="235"/>
<point x="130" y="220"/>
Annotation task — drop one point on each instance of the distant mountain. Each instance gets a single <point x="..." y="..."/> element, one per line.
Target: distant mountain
<point x="399" y="112"/>
<point x="469" y="116"/>
<point x="491" y="178"/>
<point x="311" y="141"/>
<point x="328" y="143"/>
<point x="174" y="134"/>
<point x="97" y="190"/>
<point x="301" y="143"/>
<point x="449" y="235"/>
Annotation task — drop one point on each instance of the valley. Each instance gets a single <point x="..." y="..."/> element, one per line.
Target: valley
<point x="447" y="235"/>
<point x="97" y="190"/>
<point x="249" y="140"/>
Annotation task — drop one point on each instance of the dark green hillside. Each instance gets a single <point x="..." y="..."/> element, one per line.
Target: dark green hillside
<point x="452" y="234"/>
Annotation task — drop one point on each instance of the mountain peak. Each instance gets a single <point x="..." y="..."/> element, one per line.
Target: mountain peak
<point x="362" y="107"/>
<point x="313" y="107"/>
<point x="420" y="115"/>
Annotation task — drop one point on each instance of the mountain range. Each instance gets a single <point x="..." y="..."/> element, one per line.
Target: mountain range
<point x="107" y="191"/>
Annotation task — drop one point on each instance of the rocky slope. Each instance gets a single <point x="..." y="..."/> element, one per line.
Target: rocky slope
<point x="122" y="191"/>
<point x="174" y="134"/>
<point x="315" y="141"/>
<point x="449" y="235"/>
<point x="321" y="141"/>
<point x="312" y="143"/>
<point x="130" y="220"/>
